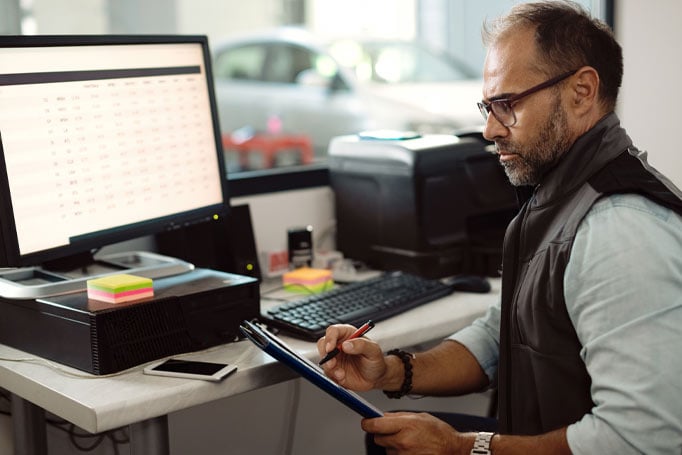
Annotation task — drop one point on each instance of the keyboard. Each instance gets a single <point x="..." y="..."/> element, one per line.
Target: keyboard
<point x="377" y="298"/>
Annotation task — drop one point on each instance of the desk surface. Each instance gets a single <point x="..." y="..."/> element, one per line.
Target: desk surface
<point x="98" y="404"/>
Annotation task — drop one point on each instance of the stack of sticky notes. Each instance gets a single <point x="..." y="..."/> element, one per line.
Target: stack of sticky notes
<point x="308" y="280"/>
<point x="120" y="288"/>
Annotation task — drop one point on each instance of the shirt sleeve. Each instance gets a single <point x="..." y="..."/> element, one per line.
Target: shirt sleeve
<point x="482" y="339"/>
<point x="623" y="288"/>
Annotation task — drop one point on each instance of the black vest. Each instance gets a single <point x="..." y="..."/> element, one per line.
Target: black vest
<point x="543" y="383"/>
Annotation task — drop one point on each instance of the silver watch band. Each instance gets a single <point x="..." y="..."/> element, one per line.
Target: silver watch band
<point x="482" y="443"/>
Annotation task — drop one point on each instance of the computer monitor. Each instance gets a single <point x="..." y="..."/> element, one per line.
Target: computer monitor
<point x="104" y="139"/>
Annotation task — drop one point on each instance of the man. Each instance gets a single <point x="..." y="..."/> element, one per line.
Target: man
<point x="584" y="344"/>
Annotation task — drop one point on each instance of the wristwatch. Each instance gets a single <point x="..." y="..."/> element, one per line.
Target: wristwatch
<point x="482" y="443"/>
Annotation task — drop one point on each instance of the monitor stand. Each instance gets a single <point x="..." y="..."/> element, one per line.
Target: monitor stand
<point x="36" y="282"/>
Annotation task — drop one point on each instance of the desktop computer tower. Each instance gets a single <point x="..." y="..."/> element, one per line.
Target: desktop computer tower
<point x="189" y="312"/>
<point x="434" y="205"/>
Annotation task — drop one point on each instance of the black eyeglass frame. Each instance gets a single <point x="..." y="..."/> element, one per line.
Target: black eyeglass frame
<point x="508" y="103"/>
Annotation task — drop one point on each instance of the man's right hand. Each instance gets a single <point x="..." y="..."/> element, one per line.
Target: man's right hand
<point x="359" y="366"/>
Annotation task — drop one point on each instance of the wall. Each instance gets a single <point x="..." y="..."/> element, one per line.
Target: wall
<point x="9" y="17"/>
<point x="393" y="19"/>
<point x="76" y="16"/>
<point x="273" y="214"/>
<point x="650" y="97"/>
<point x="220" y="19"/>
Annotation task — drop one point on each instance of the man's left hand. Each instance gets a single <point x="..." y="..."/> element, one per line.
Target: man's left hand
<point x="415" y="433"/>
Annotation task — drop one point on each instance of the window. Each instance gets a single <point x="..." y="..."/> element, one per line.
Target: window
<point x="293" y="83"/>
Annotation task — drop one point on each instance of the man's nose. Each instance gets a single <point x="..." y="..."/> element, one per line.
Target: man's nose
<point x="494" y="128"/>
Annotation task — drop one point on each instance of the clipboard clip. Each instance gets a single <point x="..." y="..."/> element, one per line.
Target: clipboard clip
<point x="254" y="333"/>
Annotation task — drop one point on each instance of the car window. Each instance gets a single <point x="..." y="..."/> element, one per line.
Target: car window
<point x="285" y="62"/>
<point x="245" y="62"/>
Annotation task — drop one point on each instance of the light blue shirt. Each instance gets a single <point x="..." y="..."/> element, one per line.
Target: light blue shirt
<point x="623" y="292"/>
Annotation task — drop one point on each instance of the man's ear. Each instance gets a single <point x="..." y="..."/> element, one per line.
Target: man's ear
<point x="585" y="90"/>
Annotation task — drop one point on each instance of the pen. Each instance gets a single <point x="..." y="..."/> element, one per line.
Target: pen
<point x="364" y="328"/>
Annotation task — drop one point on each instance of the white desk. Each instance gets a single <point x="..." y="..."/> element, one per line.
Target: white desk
<point x="143" y="402"/>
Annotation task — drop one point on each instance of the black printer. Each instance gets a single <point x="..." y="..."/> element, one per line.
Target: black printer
<point x="433" y="205"/>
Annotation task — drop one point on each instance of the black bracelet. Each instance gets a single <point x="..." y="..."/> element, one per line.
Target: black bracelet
<point x="405" y="389"/>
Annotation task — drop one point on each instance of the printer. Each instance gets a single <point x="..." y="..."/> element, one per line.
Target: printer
<point x="433" y="205"/>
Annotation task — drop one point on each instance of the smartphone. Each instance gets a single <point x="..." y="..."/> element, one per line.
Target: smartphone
<point x="191" y="369"/>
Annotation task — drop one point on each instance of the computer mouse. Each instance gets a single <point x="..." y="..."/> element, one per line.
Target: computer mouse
<point x="468" y="283"/>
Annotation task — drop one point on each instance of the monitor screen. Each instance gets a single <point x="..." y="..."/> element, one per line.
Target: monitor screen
<point x="104" y="139"/>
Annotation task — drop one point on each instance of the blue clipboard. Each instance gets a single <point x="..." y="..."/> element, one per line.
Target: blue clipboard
<point x="279" y="350"/>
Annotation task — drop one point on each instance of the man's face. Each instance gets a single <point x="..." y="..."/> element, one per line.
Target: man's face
<point x="541" y="133"/>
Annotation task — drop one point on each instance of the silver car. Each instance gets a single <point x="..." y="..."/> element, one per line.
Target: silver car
<point x="288" y="82"/>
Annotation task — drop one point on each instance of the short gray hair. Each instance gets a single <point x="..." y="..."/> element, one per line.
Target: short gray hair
<point x="567" y="38"/>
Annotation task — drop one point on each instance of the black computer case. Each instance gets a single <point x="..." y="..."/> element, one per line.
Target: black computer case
<point x="190" y="311"/>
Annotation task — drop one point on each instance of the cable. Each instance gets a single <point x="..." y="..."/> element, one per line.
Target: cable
<point x="119" y="436"/>
<point x="59" y="369"/>
<point x="53" y="366"/>
<point x="77" y="437"/>
<point x="302" y="287"/>
<point x="327" y="233"/>
<point x="6" y="397"/>
<point x="73" y="437"/>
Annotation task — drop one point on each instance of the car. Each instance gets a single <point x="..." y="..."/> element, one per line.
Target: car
<point x="288" y="81"/>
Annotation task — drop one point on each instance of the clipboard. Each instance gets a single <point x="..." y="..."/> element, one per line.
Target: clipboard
<point x="280" y="351"/>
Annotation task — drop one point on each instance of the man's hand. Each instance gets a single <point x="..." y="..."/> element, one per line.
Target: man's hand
<point x="359" y="366"/>
<point x="412" y="433"/>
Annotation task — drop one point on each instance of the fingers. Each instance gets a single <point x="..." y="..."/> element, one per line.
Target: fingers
<point x="332" y="337"/>
<point x="409" y="433"/>
<point x="360" y="363"/>
<point x="361" y="346"/>
<point x="390" y="423"/>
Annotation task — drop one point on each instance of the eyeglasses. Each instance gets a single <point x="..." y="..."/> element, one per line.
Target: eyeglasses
<point x="502" y="108"/>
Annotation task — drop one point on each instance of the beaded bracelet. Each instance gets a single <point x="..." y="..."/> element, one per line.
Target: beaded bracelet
<point x="406" y="387"/>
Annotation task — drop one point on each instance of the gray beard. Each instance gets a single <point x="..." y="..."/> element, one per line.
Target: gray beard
<point x="535" y="159"/>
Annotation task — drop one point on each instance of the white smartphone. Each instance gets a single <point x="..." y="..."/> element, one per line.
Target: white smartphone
<point x="191" y="369"/>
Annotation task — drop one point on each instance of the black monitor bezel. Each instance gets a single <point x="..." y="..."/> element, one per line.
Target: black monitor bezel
<point x="9" y="247"/>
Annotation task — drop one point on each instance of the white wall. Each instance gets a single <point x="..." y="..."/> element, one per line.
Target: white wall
<point x="75" y="16"/>
<point x="650" y="98"/>
<point x="272" y="214"/>
<point x="220" y="19"/>
<point x="375" y="18"/>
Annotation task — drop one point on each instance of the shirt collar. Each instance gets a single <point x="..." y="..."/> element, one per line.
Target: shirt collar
<point x="590" y="152"/>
